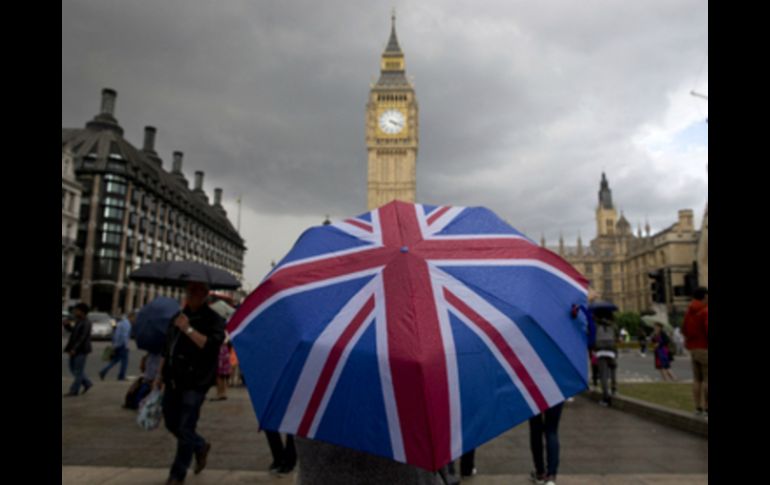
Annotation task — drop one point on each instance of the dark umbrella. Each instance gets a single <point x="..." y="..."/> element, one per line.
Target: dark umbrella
<point x="602" y="305"/>
<point x="152" y="323"/>
<point x="179" y="273"/>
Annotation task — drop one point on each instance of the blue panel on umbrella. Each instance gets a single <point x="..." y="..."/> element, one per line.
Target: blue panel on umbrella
<point x="272" y="349"/>
<point x="427" y="209"/>
<point x="365" y="217"/>
<point x="321" y="240"/>
<point x="478" y="220"/>
<point x="490" y="402"/>
<point x="540" y="295"/>
<point x="355" y="416"/>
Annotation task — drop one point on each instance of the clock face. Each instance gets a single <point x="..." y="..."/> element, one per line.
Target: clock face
<point x="392" y="122"/>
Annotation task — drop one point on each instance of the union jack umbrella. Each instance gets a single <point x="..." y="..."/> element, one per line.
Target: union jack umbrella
<point x="412" y="332"/>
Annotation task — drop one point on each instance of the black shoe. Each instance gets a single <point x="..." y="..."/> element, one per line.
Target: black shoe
<point x="200" y="458"/>
<point x="101" y="375"/>
<point x="86" y="388"/>
<point x="284" y="470"/>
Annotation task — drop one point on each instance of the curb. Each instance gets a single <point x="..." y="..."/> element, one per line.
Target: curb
<point x="666" y="416"/>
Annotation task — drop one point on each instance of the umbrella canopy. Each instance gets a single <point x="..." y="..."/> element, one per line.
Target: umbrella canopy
<point x="603" y="305"/>
<point x="152" y="323"/>
<point x="651" y="320"/>
<point x="179" y="273"/>
<point x="412" y="332"/>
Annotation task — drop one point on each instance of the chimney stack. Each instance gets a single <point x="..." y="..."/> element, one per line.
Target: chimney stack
<point x="149" y="138"/>
<point x="177" y="166"/>
<point x="108" y="101"/>
<point x="198" y="180"/>
<point x="217" y="196"/>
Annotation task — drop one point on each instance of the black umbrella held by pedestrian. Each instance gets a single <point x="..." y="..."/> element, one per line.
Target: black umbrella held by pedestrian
<point x="180" y="273"/>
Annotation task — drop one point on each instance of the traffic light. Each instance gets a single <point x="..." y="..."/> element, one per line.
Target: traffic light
<point x="691" y="280"/>
<point x="658" y="286"/>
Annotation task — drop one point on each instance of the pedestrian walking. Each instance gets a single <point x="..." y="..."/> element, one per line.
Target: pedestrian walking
<point x="223" y="372"/>
<point x="642" y="342"/>
<point x="235" y="377"/>
<point x="695" y="330"/>
<point x="78" y="347"/>
<point x="187" y="371"/>
<point x="606" y="347"/>
<point x="679" y="341"/>
<point x="663" y="357"/>
<point x="284" y="455"/>
<point x="545" y="428"/>
<point x="120" y="341"/>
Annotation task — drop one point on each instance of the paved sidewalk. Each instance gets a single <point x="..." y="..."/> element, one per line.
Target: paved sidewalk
<point x="595" y="442"/>
<point x="73" y="475"/>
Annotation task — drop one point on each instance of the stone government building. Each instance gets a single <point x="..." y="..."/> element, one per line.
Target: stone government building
<point x="133" y="211"/>
<point x="618" y="263"/>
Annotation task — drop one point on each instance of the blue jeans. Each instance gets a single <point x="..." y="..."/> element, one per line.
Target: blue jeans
<point x="120" y="355"/>
<point x="546" y="424"/>
<point x="181" y="410"/>
<point x="78" y="369"/>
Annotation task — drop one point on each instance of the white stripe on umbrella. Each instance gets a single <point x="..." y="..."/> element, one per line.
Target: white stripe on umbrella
<point x="513" y="337"/>
<point x="386" y="378"/>
<point x="316" y="360"/>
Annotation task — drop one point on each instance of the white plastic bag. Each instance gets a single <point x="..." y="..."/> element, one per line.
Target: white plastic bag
<point x="150" y="411"/>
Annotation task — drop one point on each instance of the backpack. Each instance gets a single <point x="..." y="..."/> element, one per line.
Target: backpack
<point x="605" y="337"/>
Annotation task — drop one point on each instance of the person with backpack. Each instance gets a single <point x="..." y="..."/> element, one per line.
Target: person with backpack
<point x="606" y="347"/>
<point x="663" y="353"/>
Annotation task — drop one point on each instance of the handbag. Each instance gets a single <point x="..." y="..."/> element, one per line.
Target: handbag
<point x="107" y="353"/>
<point x="150" y="411"/>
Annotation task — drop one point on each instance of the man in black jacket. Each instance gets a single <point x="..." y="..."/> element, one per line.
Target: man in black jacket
<point x="188" y="370"/>
<point x="78" y="347"/>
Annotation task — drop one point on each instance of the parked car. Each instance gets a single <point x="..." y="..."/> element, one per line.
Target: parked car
<point x="102" y="326"/>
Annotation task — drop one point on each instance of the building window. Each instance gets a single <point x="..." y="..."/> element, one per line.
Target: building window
<point x="113" y="213"/>
<point x="115" y="202"/>
<point x="108" y="268"/>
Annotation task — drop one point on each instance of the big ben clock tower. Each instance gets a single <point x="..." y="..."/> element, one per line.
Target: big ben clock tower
<point x="391" y="131"/>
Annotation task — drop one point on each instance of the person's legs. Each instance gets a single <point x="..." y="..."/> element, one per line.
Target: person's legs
<point x="603" y="376"/>
<point x="77" y="366"/>
<point x="172" y="402"/>
<point x="697" y="380"/>
<point x="290" y="454"/>
<point x="536" y="429"/>
<point x="112" y="363"/>
<point x="220" y="386"/>
<point x="552" y="418"/>
<point x="224" y="385"/>
<point x="77" y="374"/>
<point x="704" y="359"/>
<point x="276" y="448"/>
<point x="188" y="440"/>
<point x="613" y="365"/>
<point x="467" y="463"/>
<point x="123" y="363"/>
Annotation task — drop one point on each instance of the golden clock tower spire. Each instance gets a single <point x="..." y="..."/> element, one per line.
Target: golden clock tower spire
<point x="391" y="130"/>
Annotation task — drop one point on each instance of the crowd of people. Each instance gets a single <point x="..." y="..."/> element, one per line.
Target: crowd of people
<point x="198" y="356"/>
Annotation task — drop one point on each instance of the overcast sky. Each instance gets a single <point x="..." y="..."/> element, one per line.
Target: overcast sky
<point x="522" y="104"/>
